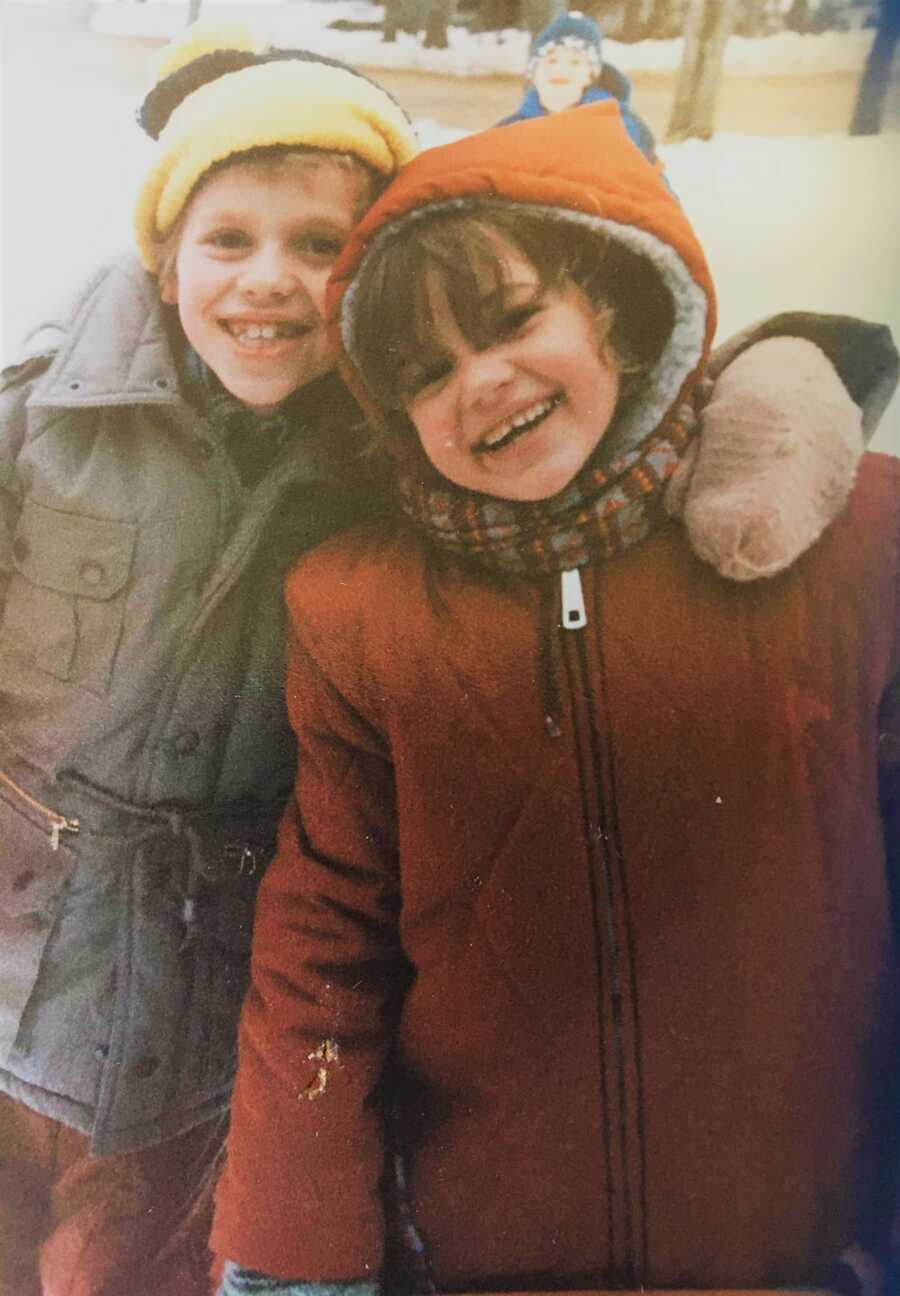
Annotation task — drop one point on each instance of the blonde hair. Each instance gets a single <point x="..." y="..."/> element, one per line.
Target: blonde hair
<point x="273" y="159"/>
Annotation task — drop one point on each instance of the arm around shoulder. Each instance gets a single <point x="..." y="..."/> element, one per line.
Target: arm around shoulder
<point x="782" y="431"/>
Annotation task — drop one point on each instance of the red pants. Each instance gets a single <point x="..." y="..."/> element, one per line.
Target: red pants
<point x="135" y="1224"/>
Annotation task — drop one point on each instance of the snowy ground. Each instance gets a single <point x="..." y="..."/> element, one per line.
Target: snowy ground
<point x="799" y="222"/>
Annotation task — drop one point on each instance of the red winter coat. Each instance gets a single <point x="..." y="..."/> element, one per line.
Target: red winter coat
<point x="651" y="977"/>
<point x="628" y="980"/>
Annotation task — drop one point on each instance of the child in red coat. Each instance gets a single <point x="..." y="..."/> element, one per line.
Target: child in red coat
<point x="575" y="967"/>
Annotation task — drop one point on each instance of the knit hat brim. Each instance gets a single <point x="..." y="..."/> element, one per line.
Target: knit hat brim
<point x="573" y="30"/>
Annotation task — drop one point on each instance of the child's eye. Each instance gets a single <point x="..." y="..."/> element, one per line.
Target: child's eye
<point x="323" y="247"/>
<point x="415" y="380"/>
<point x="228" y="240"/>
<point x="513" y="321"/>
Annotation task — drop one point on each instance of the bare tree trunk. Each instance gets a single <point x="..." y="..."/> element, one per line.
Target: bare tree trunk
<point x="537" y="14"/>
<point x="752" y="17"/>
<point x="869" y="109"/>
<point x="632" y="21"/>
<point x="436" y="27"/>
<point x="661" y="20"/>
<point x="500" y="14"/>
<point x="797" y="17"/>
<point x="402" y="15"/>
<point x="707" y="28"/>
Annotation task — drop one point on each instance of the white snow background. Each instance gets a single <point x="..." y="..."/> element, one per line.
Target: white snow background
<point x="798" y="222"/>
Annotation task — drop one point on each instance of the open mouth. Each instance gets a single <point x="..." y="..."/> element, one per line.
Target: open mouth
<point x="264" y="334"/>
<point x="525" y="421"/>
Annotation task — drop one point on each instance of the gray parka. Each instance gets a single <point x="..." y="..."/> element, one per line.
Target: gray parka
<point x="144" y="753"/>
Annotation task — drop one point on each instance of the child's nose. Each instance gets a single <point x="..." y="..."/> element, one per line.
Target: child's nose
<point x="486" y="372"/>
<point x="269" y="272"/>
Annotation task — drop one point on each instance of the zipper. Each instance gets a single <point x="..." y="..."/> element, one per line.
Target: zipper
<point x="574" y="614"/>
<point x="618" y="1030"/>
<point x="56" y="823"/>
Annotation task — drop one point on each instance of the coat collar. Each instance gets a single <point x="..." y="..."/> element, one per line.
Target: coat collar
<point x="110" y="345"/>
<point x="531" y="105"/>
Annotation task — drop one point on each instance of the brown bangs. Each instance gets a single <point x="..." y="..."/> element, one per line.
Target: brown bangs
<point x="453" y="253"/>
<point x="459" y="253"/>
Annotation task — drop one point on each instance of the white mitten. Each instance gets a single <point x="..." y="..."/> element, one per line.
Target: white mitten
<point x="774" y="462"/>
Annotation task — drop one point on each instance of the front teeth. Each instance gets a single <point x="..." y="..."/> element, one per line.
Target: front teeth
<point x="255" y="331"/>
<point x="536" y="411"/>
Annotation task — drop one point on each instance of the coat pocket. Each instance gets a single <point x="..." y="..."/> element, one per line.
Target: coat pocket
<point x="34" y="866"/>
<point x="66" y="595"/>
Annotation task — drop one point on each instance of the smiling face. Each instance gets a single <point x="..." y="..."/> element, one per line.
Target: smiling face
<point x="561" y="76"/>
<point x="254" y="254"/>
<point x="518" y="414"/>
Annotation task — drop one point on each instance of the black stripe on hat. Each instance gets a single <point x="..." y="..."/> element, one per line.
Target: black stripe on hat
<point x="173" y="89"/>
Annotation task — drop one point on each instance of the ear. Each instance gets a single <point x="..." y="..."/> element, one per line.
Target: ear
<point x="168" y="287"/>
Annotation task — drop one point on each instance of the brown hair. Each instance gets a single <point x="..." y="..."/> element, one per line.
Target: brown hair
<point x="392" y="320"/>
<point x="274" y="158"/>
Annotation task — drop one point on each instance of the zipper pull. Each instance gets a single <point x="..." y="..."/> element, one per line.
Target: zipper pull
<point x="574" y="616"/>
<point x="61" y="825"/>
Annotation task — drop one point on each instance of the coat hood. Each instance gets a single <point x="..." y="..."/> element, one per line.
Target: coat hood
<point x="579" y="166"/>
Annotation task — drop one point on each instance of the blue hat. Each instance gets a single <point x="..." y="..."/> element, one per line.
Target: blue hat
<point x="573" y="30"/>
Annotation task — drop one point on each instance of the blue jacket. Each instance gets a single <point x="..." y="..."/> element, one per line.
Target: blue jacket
<point x="612" y="84"/>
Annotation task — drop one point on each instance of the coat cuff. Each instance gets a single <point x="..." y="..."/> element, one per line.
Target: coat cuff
<point x="249" y="1282"/>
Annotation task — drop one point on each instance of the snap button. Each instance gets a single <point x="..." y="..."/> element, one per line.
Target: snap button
<point x="101" y="1052"/>
<point x="186" y="742"/>
<point x="145" y="1066"/>
<point x="161" y="383"/>
<point x="21" y="549"/>
<point x="75" y="386"/>
<point x="92" y="573"/>
<point x="204" y="450"/>
<point x="22" y="880"/>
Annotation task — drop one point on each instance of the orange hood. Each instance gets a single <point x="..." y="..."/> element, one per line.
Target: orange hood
<point x="579" y="166"/>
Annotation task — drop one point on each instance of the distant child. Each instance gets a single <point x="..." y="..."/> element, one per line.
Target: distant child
<point x="566" y="68"/>
<point x="575" y="966"/>
<point x="169" y="444"/>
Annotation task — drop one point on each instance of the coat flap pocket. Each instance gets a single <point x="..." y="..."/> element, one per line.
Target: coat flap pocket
<point x="71" y="553"/>
<point x="35" y="860"/>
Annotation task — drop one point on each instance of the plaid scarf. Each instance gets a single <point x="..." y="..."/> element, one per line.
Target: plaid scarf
<point x="606" y="508"/>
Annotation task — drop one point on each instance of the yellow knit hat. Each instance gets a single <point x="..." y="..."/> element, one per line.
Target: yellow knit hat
<point x="218" y="94"/>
